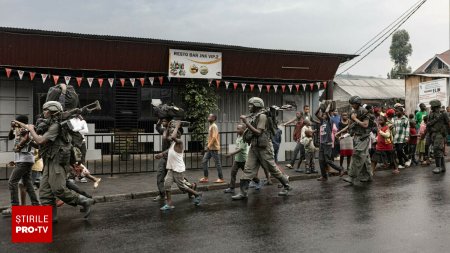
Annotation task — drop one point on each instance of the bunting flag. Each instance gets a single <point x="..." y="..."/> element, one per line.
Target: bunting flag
<point x="226" y="84"/>
<point x="283" y="88"/>
<point x="32" y="75"/>
<point x="122" y="81"/>
<point x="151" y="79"/>
<point x="304" y="86"/>
<point x="290" y="88"/>
<point x="55" y="79"/>
<point x="142" y="80"/>
<point x="275" y="87"/>
<point x="297" y="87"/>
<point x="20" y="72"/>
<point x="209" y="82"/>
<point x="44" y="77"/>
<point x="8" y="72"/>
<point x="100" y="82"/>
<point x="260" y="87"/>
<point x="324" y="84"/>
<point x="311" y="86"/>
<point x="235" y="85"/>
<point x="252" y="86"/>
<point x="268" y="88"/>
<point x="111" y="82"/>
<point x="168" y="78"/>
<point x="161" y="80"/>
<point x="318" y="85"/>
<point x="217" y="83"/>
<point x="67" y="79"/>
<point x="243" y="86"/>
<point x="132" y="81"/>
<point x="79" y="79"/>
<point x="90" y="80"/>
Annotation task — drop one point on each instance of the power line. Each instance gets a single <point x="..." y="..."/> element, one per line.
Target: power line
<point x="396" y="28"/>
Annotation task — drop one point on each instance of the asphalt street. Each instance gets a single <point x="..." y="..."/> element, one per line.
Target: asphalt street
<point x="405" y="213"/>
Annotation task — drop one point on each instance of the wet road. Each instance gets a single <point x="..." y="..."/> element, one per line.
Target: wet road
<point x="405" y="213"/>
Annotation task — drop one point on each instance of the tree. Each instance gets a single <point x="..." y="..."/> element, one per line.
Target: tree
<point x="400" y="50"/>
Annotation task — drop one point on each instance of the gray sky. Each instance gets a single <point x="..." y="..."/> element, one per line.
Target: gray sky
<point x="336" y="26"/>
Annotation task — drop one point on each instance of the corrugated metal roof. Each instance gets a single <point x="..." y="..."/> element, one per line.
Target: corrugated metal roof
<point x="444" y="57"/>
<point x="372" y="88"/>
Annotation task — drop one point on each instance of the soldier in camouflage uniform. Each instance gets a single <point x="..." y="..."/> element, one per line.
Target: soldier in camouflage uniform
<point x="55" y="150"/>
<point x="437" y="126"/>
<point x="260" y="153"/>
<point x="360" y="130"/>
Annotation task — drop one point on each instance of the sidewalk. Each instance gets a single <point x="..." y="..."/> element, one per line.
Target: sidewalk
<point x="143" y="185"/>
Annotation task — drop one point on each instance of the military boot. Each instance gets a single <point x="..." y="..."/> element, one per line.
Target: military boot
<point x="86" y="203"/>
<point x="438" y="168"/>
<point x="244" y="188"/>
<point x="442" y="164"/>
<point x="286" y="187"/>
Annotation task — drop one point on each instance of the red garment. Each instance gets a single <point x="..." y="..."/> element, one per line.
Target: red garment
<point x="298" y="130"/>
<point x="381" y="141"/>
<point x="412" y="139"/>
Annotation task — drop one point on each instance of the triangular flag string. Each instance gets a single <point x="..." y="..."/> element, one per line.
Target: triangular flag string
<point x="311" y="86"/>
<point x="325" y="84"/>
<point x="290" y="88"/>
<point x="111" y="82"/>
<point x="90" y="80"/>
<point x="260" y="87"/>
<point x="20" y="72"/>
<point x="168" y="78"/>
<point x="297" y="87"/>
<point x="268" y="88"/>
<point x="217" y="83"/>
<point x="151" y="80"/>
<point x="122" y="81"/>
<point x="275" y="87"/>
<point x="251" y="87"/>
<point x="32" y="74"/>
<point x="304" y="86"/>
<point x="132" y="81"/>
<point x="44" y="77"/>
<point x="55" y="79"/>
<point x="209" y="82"/>
<point x="227" y="84"/>
<point x="8" y="72"/>
<point x="100" y="82"/>
<point x="142" y="80"/>
<point x="243" y="86"/>
<point x="161" y="80"/>
<point x="67" y="79"/>
<point x="235" y="85"/>
<point x="283" y="88"/>
<point x="79" y="79"/>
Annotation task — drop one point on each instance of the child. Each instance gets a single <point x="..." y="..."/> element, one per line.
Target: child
<point x="175" y="169"/>
<point x="412" y="144"/>
<point x="421" y="146"/>
<point x="212" y="151"/>
<point x="384" y="152"/>
<point x="310" y="149"/>
<point x="345" y="141"/>
<point x="81" y="170"/>
<point x="306" y="127"/>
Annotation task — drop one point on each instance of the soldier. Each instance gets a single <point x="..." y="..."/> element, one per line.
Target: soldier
<point x="260" y="153"/>
<point x="55" y="151"/>
<point x="360" y="130"/>
<point x="437" y="126"/>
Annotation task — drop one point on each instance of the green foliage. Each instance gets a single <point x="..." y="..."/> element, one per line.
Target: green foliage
<point x="399" y="51"/>
<point x="199" y="101"/>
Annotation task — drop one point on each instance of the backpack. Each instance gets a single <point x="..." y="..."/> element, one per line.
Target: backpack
<point x="71" y="97"/>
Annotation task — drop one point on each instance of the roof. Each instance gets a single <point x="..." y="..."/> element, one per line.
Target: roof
<point x="372" y="88"/>
<point x="62" y="51"/>
<point x="443" y="57"/>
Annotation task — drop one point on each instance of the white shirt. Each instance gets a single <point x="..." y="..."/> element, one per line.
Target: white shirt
<point x="175" y="160"/>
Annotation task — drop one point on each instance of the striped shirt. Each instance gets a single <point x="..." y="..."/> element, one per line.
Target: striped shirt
<point x="401" y="129"/>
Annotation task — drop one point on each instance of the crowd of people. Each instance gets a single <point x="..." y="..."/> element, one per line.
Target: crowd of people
<point x="366" y="138"/>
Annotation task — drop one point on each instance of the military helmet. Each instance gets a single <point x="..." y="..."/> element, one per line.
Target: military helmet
<point x="52" y="106"/>
<point x="355" y="100"/>
<point x="256" y="101"/>
<point x="435" y="103"/>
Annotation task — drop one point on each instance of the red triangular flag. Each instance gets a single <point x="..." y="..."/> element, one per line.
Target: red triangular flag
<point x="44" y="77"/>
<point x="227" y="84"/>
<point x="311" y="85"/>
<point x="122" y="81"/>
<point x="20" y="72"/>
<point x="297" y="86"/>
<point x="235" y="85"/>
<point x="67" y="79"/>
<point x="283" y="88"/>
<point x="132" y="80"/>
<point x="142" y="80"/>
<point x="268" y="88"/>
<point x="217" y="83"/>
<point x="55" y="79"/>
<point x="100" y="82"/>
<point x="260" y="87"/>
<point x="161" y="79"/>
<point x="32" y="75"/>
<point x="325" y="84"/>
<point x="8" y="72"/>
<point x="111" y="82"/>
<point x="151" y="79"/>
<point x="243" y="86"/>
<point x="251" y="87"/>
<point x="290" y="88"/>
<point x="90" y="80"/>
<point x="79" y="79"/>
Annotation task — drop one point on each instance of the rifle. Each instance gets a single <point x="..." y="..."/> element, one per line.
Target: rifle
<point x="77" y="111"/>
<point x="352" y="125"/>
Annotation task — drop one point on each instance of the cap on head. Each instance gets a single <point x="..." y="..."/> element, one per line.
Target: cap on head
<point x="256" y="101"/>
<point x="52" y="106"/>
<point x="355" y="100"/>
<point x="22" y="118"/>
<point x="390" y="112"/>
<point x="435" y="103"/>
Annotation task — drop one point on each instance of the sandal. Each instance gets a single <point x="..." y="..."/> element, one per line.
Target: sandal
<point x="203" y="180"/>
<point x="166" y="207"/>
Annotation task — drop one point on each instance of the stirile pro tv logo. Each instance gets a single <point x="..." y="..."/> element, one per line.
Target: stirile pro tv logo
<point x="31" y="224"/>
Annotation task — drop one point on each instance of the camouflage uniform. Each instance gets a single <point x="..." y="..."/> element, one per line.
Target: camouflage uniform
<point x="438" y="123"/>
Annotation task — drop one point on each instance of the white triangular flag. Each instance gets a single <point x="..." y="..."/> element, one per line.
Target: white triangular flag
<point x="275" y="87"/>
<point x="210" y="81"/>
<point x="67" y="79"/>
<point x="44" y="77"/>
<point x="151" y="79"/>
<point x="318" y="85"/>
<point x="243" y="86"/>
<point x="290" y="87"/>
<point x="111" y="81"/>
<point x="20" y="72"/>
<point x="90" y="80"/>
<point x="226" y="84"/>
<point x="132" y="81"/>
<point x="168" y="78"/>
<point x="260" y="87"/>
<point x="304" y="86"/>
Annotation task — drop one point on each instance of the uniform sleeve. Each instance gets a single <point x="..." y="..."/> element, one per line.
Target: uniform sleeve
<point x="262" y="121"/>
<point x="52" y="132"/>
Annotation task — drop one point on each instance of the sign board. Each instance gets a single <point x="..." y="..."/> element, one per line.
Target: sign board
<point x="195" y="64"/>
<point x="434" y="89"/>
